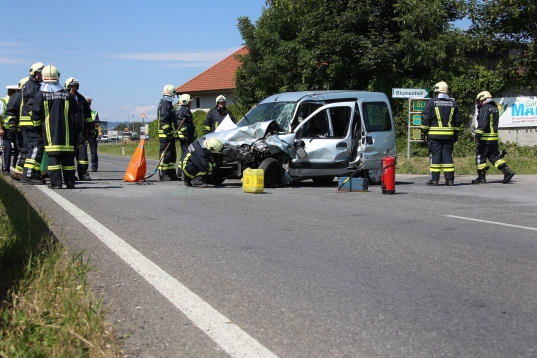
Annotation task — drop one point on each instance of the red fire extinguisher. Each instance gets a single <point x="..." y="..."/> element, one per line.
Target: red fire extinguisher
<point x="388" y="174"/>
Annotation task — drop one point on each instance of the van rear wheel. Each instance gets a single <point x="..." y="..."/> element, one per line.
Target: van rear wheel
<point x="374" y="176"/>
<point x="272" y="169"/>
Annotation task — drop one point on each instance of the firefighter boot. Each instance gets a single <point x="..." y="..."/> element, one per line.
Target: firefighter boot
<point x="199" y="182"/>
<point x="481" y="177"/>
<point x="508" y="174"/>
<point x="432" y="183"/>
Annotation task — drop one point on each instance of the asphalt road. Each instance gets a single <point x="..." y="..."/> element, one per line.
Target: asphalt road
<point x="306" y="272"/>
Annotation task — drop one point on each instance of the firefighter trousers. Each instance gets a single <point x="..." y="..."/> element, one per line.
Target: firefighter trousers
<point x="488" y="151"/>
<point x="82" y="163"/>
<point x="22" y="142"/>
<point x="184" y="151"/>
<point x="58" y="163"/>
<point x="167" y="165"/>
<point x="441" y="159"/>
<point x="36" y="148"/>
<point x="9" y="147"/>
<point x="94" y="157"/>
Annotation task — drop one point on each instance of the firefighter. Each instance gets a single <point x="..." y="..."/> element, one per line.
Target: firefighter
<point x="198" y="164"/>
<point x="57" y="110"/>
<point x="92" y="140"/>
<point x="440" y="125"/>
<point x="187" y="128"/>
<point x="85" y="122"/>
<point x="31" y="149"/>
<point x="12" y="118"/>
<point x="9" y="138"/>
<point x="167" y="134"/>
<point x="217" y="115"/>
<point x="486" y="138"/>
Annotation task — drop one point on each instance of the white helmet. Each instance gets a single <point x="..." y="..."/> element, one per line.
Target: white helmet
<point x="71" y="81"/>
<point x="36" y="67"/>
<point x="220" y="99"/>
<point x="440" y="87"/>
<point x="168" y="90"/>
<point x="184" y="99"/>
<point x="23" y="81"/>
<point x="483" y="96"/>
<point x="214" y="145"/>
<point x="50" y="74"/>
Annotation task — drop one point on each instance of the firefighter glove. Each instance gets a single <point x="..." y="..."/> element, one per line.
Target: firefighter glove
<point x="477" y="137"/>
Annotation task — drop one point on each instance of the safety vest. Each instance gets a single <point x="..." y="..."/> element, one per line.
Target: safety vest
<point x="5" y="100"/>
<point x="93" y="115"/>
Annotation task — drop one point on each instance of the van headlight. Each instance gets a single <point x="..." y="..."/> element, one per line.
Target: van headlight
<point x="260" y="146"/>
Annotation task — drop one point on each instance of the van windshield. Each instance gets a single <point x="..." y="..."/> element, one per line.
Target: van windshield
<point x="281" y="112"/>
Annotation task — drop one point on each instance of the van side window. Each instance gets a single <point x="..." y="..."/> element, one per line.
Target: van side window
<point x="340" y="120"/>
<point x="304" y="111"/>
<point x="317" y="126"/>
<point x="376" y="117"/>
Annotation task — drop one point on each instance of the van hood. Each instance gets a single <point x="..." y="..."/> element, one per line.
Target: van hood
<point x="246" y="134"/>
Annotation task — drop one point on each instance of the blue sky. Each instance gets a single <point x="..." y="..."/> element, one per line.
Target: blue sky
<point x="121" y="52"/>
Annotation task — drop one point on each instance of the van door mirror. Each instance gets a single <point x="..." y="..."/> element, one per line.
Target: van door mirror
<point x="301" y="152"/>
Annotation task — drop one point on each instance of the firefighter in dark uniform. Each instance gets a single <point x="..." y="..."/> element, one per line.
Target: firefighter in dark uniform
<point x="198" y="164"/>
<point x="57" y="110"/>
<point x="85" y="122"/>
<point x="186" y="131"/>
<point x="217" y="115"/>
<point x="486" y="137"/>
<point x="31" y="153"/>
<point x="12" y="117"/>
<point x="92" y="140"/>
<point x="440" y="125"/>
<point x="167" y="134"/>
<point x="9" y="138"/>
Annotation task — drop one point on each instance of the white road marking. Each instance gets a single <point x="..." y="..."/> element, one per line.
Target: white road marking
<point x="230" y="337"/>
<point x="492" y="222"/>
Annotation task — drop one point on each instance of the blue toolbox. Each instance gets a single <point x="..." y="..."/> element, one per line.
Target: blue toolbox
<point x="353" y="184"/>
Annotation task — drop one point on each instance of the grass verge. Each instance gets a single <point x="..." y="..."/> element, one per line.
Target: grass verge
<point x="47" y="308"/>
<point x="151" y="148"/>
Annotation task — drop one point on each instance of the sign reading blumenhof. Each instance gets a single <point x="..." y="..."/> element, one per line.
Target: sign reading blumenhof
<point x="410" y="93"/>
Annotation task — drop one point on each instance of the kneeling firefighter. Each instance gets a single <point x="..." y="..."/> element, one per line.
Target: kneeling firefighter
<point x="486" y="137"/>
<point x="198" y="164"/>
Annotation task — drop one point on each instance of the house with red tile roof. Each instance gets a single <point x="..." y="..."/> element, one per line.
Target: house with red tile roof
<point x="217" y="80"/>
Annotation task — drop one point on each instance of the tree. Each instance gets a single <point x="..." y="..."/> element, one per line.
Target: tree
<point x="346" y="44"/>
<point x="120" y="127"/>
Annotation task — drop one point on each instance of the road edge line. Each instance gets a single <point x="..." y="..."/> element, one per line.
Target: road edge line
<point x="492" y="222"/>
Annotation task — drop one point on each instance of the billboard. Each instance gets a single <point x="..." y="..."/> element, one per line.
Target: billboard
<point x="517" y="111"/>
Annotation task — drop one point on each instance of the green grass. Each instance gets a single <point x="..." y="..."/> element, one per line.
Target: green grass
<point x="151" y="148"/>
<point x="47" y="308"/>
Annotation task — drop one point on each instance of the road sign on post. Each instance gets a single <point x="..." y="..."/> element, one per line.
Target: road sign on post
<point x="410" y="93"/>
<point x="415" y="107"/>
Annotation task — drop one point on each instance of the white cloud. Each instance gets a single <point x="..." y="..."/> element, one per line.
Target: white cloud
<point x="11" y="44"/>
<point x="15" y="61"/>
<point x="188" y="57"/>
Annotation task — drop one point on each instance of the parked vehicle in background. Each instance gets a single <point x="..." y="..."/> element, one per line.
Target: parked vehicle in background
<point x="104" y="139"/>
<point x="339" y="131"/>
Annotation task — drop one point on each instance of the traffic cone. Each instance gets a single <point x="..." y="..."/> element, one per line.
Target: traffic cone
<point x="137" y="167"/>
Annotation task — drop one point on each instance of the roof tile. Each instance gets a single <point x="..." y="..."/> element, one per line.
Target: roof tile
<point x="219" y="77"/>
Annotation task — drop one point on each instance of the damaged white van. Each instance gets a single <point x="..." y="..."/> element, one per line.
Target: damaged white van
<point x="318" y="135"/>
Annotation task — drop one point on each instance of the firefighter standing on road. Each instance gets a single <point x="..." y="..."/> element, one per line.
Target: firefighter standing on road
<point x="486" y="137"/>
<point x="217" y="115"/>
<point x="12" y="117"/>
<point x="57" y="110"/>
<point x="167" y="134"/>
<point x="186" y="132"/>
<point x="31" y="148"/>
<point x="85" y="122"/>
<point x="92" y="140"/>
<point x="198" y="164"/>
<point x="440" y="123"/>
<point x="9" y="137"/>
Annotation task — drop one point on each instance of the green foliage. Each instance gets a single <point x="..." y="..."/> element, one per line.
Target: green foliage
<point x="120" y="127"/>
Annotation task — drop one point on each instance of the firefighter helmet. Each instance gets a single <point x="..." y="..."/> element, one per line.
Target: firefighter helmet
<point x="483" y="96"/>
<point x="440" y="87"/>
<point x="168" y="90"/>
<point x="71" y="81"/>
<point x="23" y="81"/>
<point x="50" y="74"/>
<point x="214" y="145"/>
<point x="220" y="99"/>
<point x="184" y="99"/>
<point x="36" y="67"/>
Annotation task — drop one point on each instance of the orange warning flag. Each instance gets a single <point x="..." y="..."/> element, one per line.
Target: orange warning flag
<point x="137" y="167"/>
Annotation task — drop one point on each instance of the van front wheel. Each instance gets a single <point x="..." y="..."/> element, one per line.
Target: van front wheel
<point x="374" y="176"/>
<point x="272" y="169"/>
